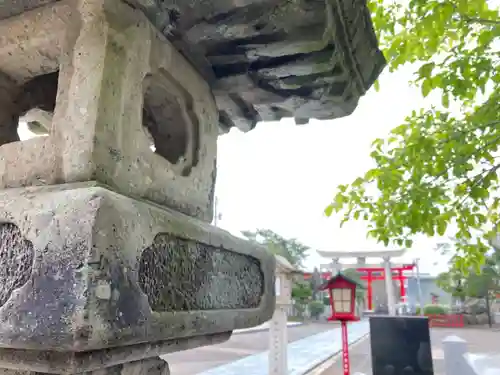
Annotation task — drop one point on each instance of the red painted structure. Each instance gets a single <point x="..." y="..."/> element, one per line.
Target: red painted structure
<point x="435" y="299"/>
<point x="369" y="277"/>
<point x="448" y="321"/>
<point x="347" y="309"/>
<point x="345" y="349"/>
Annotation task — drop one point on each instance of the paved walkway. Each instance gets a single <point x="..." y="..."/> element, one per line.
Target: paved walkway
<point x="264" y="327"/>
<point x="302" y="354"/>
<point x="480" y="340"/>
<point x="247" y="354"/>
<point x="198" y="360"/>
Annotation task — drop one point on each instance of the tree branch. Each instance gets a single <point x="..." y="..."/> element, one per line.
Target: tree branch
<point x="469" y="19"/>
<point x="479" y="178"/>
<point x="481" y="21"/>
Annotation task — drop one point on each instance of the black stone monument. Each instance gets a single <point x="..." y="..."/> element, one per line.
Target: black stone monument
<point x="400" y="345"/>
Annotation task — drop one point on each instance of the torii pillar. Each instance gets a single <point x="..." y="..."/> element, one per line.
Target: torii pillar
<point x="389" y="286"/>
<point x="361" y="256"/>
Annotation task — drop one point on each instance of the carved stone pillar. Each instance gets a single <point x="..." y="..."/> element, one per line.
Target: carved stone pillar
<point x="149" y="366"/>
<point x="107" y="257"/>
<point x="278" y="336"/>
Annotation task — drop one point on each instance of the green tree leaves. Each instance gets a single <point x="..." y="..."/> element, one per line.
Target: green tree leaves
<point x="354" y="275"/>
<point x="475" y="283"/>
<point x="294" y="251"/>
<point x="301" y="292"/>
<point x="438" y="171"/>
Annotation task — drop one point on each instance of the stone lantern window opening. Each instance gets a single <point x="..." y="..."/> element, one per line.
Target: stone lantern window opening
<point x="169" y="121"/>
<point x="27" y="105"/>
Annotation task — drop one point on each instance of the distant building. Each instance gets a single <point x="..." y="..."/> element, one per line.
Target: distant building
<point x="431" y="292"/>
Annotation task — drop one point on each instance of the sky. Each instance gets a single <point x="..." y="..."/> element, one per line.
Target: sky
<point x="281" y="176"/>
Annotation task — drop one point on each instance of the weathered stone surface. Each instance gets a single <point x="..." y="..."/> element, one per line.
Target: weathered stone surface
<point x="68" y="362"/>
<point x="109" y="271"/>
<point x="149" y="366"/>
<point x="8" y="118"/>
<point x="96" y="274"/>
<point x="182" y="275"/>
<point x="270" y="42"/>
<point x="16" y="260"/>
<point x="121" y="87"/>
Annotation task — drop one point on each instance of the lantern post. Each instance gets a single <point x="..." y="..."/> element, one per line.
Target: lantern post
<point x="342" y="291"/>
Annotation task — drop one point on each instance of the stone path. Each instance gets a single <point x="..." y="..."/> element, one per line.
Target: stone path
<point x="302" y="354"/>
<point x="264" y="327"/>
<point x="246" y="354"/>
<point x="198" y="360"/>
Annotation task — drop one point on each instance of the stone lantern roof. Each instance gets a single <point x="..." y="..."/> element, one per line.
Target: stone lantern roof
<point x="283" y="265"/>
<point x="269" y="59"/>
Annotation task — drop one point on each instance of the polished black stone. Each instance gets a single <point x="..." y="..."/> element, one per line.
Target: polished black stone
<point x="400" y="345"/>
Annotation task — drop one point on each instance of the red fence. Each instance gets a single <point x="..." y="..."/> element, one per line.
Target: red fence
<point x="448" y="321"/>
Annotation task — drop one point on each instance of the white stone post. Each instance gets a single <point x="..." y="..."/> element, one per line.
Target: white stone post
<point x="278" y="339"/>
<point x="389" y="286"/>
<point x="454" y="349"/>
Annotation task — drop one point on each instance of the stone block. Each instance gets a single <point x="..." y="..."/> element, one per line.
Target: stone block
<point x="148" y="366"/>
<point x="84" y="268"/>
<point x="454" y="350"/>
<point x="24" y="361"/>
<point x="400" y="345"/>
<point x="129" y="111"/>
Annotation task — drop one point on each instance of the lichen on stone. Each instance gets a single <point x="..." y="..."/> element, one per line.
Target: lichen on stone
<point x="16" y="260"/>
<point x="178" y="274"/>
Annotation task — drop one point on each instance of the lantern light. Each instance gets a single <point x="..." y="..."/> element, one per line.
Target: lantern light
<point x="342" y="290"/>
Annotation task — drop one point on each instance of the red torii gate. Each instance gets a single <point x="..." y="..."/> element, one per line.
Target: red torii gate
<point x="369" y="277"/>
<point x="398" y="276"/>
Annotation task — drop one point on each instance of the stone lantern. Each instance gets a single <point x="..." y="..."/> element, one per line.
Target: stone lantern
<point x="283" y="283"/>
<point x="278" y="330"/>
<point x="108" y="258"/>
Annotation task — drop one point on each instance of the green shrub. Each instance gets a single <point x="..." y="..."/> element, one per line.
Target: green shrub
<point x="433" y="310"/>
<point x="316" y="308"/>
<point x="326" y="301"/>
<point x="301" y="292"/>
